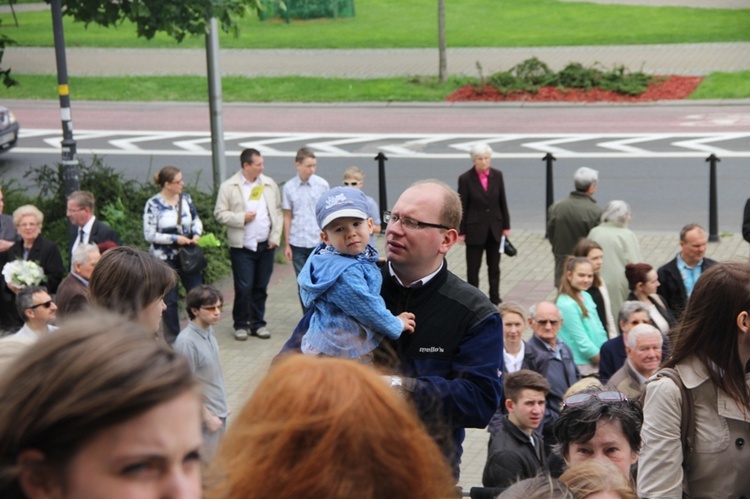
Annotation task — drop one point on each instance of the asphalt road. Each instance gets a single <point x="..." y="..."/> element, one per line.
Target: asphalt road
<point x="666" y="189"/>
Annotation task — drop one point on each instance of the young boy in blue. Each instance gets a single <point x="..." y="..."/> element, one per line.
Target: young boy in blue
<point x="340" y="282"/>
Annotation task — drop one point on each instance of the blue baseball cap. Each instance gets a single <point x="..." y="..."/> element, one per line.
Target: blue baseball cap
<point x="341" y="202"/>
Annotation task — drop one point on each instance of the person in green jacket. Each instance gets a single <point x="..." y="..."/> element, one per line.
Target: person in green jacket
<point x="581" y="328"/>
<point x="571" y="219"/>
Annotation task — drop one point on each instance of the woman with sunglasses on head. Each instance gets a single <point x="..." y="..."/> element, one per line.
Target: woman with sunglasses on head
<point x="601" y="425"/>
<point x="581" y="328"/>
<point x="171" y="221"/>
<point x="710" y="355"/>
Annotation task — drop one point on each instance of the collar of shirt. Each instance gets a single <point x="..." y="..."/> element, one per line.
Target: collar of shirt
<point x="638" y="375"/>
<point x="87" y="228"/>
<point x="418" y="282"/>
<point x="204" y="333"/>
<point x="483" y="175"/>
<point x="84" y="281"/>
<point x="681" y="265"/>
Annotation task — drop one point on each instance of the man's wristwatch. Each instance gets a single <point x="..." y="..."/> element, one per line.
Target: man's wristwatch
<point x="396" y="382"/>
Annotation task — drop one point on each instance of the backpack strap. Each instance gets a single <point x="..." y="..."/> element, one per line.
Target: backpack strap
<point x="687" y="422"/>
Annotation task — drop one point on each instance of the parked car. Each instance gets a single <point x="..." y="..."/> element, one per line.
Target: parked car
<point x="8" y="129"/>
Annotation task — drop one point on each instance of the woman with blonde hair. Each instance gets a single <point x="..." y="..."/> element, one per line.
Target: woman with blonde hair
<point x="326" y="427"/>
<point x="581" y="328"/>
<point x="99" y="410"/>
<point x="599" y="479"/>
<point x="30" y="246"/>
<point x="598" y="290"/>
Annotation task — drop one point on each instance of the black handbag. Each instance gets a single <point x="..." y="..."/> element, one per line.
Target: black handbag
<point x="509" y="249"/>
<point x="192" y="259"/>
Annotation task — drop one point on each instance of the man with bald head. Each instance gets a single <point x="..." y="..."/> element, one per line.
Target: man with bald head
<point x="557" y="364"/>
<point x="455" y="353"/>
<point x="450" y="365"/>
<point x="678" y="276"/>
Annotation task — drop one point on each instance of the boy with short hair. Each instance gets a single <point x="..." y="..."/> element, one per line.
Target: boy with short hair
<point x="355" y="177"/>
<point x="341" y="283"/>
<point x="516" y="451"/>
<point x="198" y="345"/>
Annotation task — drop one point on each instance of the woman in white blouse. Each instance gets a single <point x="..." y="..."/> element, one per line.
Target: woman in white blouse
<point x="643" y="282"/>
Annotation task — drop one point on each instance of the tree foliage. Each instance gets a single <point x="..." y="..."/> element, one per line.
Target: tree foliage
<point x="177" y="18"/>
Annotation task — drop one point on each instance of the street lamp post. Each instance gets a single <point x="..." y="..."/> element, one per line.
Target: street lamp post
<point x="69" y="154"/>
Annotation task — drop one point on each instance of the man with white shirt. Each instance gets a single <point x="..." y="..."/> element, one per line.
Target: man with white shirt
<point x="644" y="356"/>
<point x="36" y="308"/>
<point x="249" y="204"/>
<point x="301" y="194"/>
<point x="84" y="227"/>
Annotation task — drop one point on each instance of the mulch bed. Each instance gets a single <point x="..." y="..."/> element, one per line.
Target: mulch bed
<point x="664" y="88"/>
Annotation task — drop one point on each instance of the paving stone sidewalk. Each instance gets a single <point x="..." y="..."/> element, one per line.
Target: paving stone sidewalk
<point x="526" y="278"/>
<point x="695" y="59"/>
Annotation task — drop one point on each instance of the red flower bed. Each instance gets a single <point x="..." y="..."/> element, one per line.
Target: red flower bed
<point x="672" y="88"/>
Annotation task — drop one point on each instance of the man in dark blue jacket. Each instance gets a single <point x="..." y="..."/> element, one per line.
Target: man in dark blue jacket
<point x="450" y="365"/>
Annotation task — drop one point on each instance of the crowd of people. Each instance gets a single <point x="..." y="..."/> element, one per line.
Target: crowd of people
<point x="631" y="382"/>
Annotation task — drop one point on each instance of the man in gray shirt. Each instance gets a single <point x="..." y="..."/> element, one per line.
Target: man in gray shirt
<point x="197" y="343"/>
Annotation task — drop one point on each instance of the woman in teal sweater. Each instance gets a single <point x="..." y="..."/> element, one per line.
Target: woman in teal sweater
<point x="581" y="328"/>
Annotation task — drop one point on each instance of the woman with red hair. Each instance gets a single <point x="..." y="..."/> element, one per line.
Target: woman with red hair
<point x="327" y="427"/>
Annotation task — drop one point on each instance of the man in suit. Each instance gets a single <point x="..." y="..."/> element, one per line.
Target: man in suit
<point x="570" y="220"/>
<point x="73" y="293"/>
<point x="643" y="347"/>
<point x="485" y="218"/>
<point x="84" y="227"/>
<point x="612" y="354"/>
<point x="678" y="276"/>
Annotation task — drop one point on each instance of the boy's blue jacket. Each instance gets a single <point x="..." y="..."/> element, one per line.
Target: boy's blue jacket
<point x="349" y="318"/>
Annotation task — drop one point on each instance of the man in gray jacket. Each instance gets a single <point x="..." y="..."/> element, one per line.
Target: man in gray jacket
<point x="570" y="220"/>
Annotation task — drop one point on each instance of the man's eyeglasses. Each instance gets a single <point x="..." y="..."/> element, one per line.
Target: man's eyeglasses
<point x="213" y="308"/>
<point x="45" y="304"/>
<point x="410" y="223"/>
<point x="353" y="183"/>
<point x="608" y="397"/>
<point x="544" y="322"/>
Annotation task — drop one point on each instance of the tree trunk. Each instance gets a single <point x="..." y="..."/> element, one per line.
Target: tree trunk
<point x="442" y="64"/>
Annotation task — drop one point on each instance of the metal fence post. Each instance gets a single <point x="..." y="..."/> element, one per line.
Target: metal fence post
<point x="382" y="195"/>
<point x="549" y="158"/>
<point x="713" y="201"/>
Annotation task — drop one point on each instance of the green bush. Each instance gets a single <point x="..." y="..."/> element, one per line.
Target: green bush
<point x="119" y="203"/>
<point x="532" y="74"/>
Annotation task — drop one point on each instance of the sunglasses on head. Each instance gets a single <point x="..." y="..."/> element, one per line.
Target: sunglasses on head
<point x="608" y="397"/>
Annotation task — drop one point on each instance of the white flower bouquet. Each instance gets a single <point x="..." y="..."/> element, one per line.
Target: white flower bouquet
<point x="22" y="273"/>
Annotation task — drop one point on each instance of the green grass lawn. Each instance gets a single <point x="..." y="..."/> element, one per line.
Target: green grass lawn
<point x="413" y="23"/>
<point x="724" y="86"/>
<point x="292" y="89"/>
